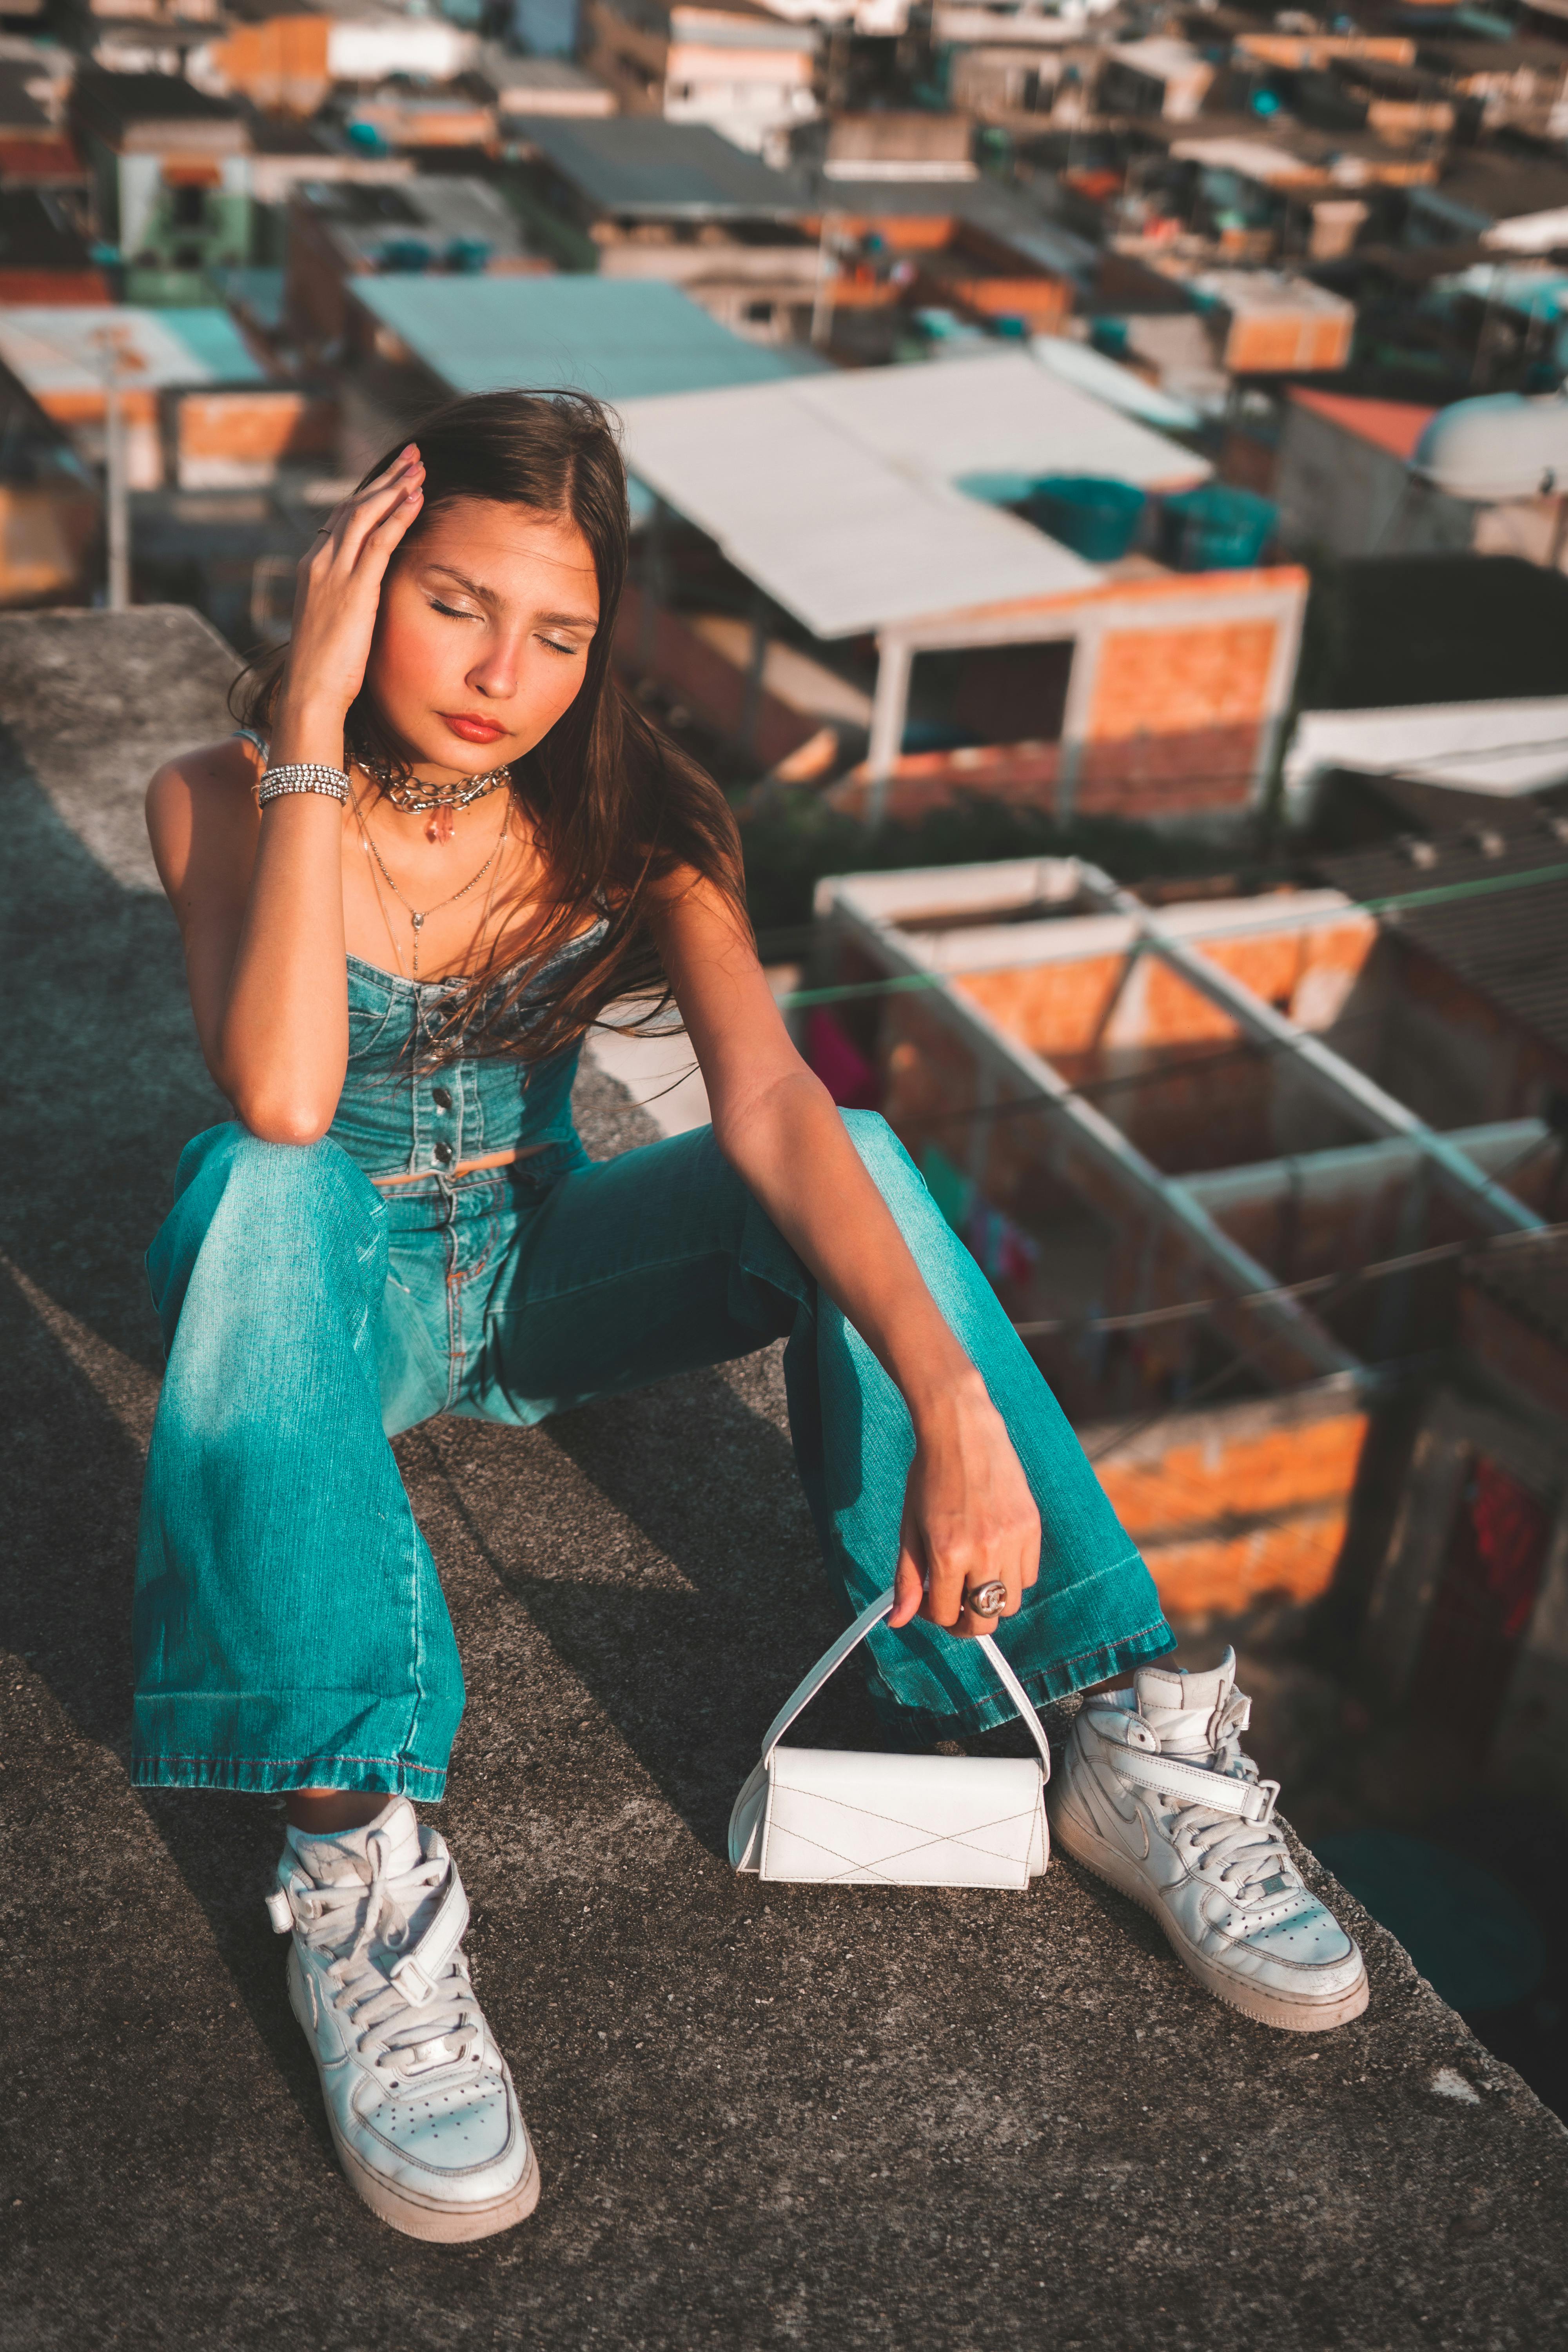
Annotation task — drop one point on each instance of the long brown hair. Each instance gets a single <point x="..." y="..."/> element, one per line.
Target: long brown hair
<point x="615" y="805"/>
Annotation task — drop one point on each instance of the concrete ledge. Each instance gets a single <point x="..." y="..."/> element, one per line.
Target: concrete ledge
<point x="767" y="2116"/>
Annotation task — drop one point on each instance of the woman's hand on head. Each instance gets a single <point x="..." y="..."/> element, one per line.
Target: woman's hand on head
<point x="969" y="1518"/>
<point x="338" y="587"/>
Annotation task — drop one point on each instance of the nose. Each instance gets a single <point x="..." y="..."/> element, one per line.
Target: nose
<point x="495" y="673"/>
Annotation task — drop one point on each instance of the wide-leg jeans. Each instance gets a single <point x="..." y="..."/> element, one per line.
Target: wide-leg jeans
<point x="289" y="1626"/>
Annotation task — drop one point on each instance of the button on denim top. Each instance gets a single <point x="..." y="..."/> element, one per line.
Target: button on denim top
<point x="395" y="1119"/>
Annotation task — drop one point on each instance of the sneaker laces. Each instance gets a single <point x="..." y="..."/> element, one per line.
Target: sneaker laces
<point x="357" y="1922"/>
<point x="1249" y="1859"/>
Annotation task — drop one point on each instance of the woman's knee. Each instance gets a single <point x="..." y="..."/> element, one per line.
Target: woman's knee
<point x="882" y="1155"/>
<point x="229" y="1164"/>
<point x="255" y="1215"/>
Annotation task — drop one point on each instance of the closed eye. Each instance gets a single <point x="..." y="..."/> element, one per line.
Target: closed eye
<point x="556" y="646"/>
<point x="451" y="611"/>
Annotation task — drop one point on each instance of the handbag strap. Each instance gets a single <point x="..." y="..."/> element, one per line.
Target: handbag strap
<point x="852" y="1636"/>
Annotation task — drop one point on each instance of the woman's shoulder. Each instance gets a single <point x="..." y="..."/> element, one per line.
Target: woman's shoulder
<point x="226" y="771"/>
<point x="202" y="803"/>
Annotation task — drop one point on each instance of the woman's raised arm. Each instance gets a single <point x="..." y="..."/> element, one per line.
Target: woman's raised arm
<point x="260" y="900"/>
<point x="969" y="1516"/>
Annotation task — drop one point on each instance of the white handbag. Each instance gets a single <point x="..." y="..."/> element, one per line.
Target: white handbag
<point x="834" y="1817"/>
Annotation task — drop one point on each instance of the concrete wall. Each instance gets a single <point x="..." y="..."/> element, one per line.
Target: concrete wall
<point x="1340" y="493"/>
<point x="657" y="643"/>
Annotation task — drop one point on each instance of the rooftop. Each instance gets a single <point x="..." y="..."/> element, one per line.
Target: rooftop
<point x="857" y="522"/>
<point x="552" y="85"/>
<point x="65" y="349"/>
<point x="621" y="339"/>
<point x="640" y="167"/>
<point x="417" y="222"/>
<point x="1509" y="943"/>
<point x="143" y="109"/>
<point x="926" y="2121"/>
<point x="1500" y="748"/>
<point x="1394" y="426"/>
<point x="35" y="235"/>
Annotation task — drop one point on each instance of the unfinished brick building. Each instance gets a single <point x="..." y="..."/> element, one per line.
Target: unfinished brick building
<point x="1232" y="1167"/>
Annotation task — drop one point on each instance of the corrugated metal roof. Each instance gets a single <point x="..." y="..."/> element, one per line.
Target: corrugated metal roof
<point x="837" y="494"/>
<point x="640" y="164"/>
<point x="61" y="349"/>
<point x="1510" y="945"/>
<point x="619" y="338"/>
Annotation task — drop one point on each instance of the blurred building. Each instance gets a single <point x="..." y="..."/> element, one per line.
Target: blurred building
<point x="744" y="70"/>
<point x="341" y="231"/>
<point x="171" y="172"/>
<point x="1272" y="1148"/>
<point x="1117" y="686"/>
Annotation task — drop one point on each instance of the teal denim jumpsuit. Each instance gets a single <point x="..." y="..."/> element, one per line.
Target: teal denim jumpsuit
<point x="290" y="1627"/>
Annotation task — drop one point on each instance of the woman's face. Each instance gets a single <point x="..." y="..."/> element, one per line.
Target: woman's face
<point x="486" y="619"/>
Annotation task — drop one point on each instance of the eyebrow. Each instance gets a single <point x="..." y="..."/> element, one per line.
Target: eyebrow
<point x="489" y="596"/>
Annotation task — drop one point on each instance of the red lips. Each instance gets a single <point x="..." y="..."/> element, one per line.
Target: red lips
<point x="473" y="731"/>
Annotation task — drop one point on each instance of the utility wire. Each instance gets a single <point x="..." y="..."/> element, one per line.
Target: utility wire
<point x="1375" y="1269"/>
<point x="1439" y="894"/>
<point x="1371" y="1269"/>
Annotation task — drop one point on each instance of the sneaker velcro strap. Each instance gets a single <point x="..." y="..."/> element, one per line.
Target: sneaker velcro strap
<point x="280" y="1911"/>
<point x="419" y="1968"/>
<point x="1193" y="1782"/>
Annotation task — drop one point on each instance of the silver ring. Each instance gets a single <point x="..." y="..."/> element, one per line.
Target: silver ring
<point x="987" y="1600"/>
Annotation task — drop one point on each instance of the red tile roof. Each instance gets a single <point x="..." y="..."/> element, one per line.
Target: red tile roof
<point x="1396" y="426"/>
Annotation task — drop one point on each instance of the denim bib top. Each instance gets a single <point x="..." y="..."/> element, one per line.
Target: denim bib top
<point x="395" y="1119"/>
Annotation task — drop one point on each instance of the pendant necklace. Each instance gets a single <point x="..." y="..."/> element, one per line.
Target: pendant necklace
<point x="411" y="798"/>
<point x="417" y="918"/>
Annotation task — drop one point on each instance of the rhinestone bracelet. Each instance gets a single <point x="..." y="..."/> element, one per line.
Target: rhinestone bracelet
<point x="304" y="776"/>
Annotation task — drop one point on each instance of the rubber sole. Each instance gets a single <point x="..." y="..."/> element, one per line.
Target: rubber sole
<point x="1263" y="2008"/>
<point x="439" y="2223"/>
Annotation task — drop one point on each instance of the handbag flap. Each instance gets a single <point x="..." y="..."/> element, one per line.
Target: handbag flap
<point x="902" y="1821"/>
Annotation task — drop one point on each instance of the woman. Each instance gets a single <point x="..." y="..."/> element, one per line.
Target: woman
<point x="443" y="843"/>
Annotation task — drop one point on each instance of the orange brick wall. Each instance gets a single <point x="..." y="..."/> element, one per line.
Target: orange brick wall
<point x="1271" y="344"/>
<point x="1174" y="681"/>
<point x="281" y="63"/>
<point x="1194" y="1511"/>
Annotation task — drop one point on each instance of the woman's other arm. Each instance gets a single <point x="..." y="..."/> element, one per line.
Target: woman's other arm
<point x="969" y="1516"/>
<point x="260" y="900"/>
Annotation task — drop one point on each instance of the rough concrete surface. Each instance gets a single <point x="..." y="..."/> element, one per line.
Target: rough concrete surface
<point x="766" y="2116"/>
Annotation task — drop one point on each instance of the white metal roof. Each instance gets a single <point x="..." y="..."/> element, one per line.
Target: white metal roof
<point x="836" y="493"/>
<point x="1507" y="748"/>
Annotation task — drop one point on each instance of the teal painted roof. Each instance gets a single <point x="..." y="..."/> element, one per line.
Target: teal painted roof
<point x="619" y="338"/>
<point x="217" y="343"/>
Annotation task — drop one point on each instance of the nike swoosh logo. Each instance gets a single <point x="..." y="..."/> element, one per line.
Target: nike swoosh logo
<point x="1111" y="1818"/>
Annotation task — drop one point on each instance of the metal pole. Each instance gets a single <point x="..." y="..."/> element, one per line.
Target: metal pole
<point x="116" y="496"/>
<point x="756" y="669"/>
<point x="889" y="708"/>
<point x="826" y="277"/>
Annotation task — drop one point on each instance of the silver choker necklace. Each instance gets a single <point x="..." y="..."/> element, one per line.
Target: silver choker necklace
<point x="437" y="801"/>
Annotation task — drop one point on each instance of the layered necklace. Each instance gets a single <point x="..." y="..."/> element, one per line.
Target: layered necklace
<point x="419" y="917"/>
<point x="411" y="798"/>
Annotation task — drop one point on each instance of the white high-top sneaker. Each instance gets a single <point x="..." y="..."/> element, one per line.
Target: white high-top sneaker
<point x="419" y="2099"/>
<point x="1156" y="1796"/>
